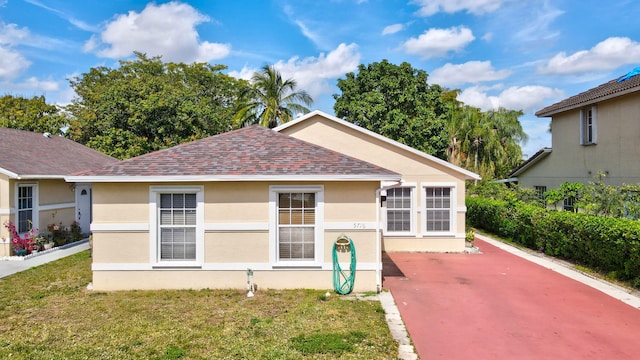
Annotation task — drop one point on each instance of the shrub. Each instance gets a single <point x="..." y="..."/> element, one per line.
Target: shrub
<point x="611" y="245"/>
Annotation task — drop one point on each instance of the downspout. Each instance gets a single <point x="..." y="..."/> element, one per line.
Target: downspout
<point x="378" y="234"/>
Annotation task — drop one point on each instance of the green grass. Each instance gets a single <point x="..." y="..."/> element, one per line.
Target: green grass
<point x="46" y="313"/>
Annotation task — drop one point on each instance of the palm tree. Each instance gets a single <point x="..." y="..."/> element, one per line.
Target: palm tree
<point x="271" y="101"/>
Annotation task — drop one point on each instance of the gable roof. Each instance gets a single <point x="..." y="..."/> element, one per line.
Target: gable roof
<point x="611" y="89"/>
<point x="468" y="175"/>
<point x="30" y="155"/>
<point x="533" y="160"/>
<point x="247" y="154"/>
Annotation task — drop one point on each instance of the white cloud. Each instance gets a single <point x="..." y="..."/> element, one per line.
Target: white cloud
<point x="537" y="26"/>
<point x="73" y="21"/>
<point x="312" y="74"/>
<point x="476" y="7"/>
<point x="488" y="36"/>
<point x="527" y="98"/>
<point x="469" y="72"/>
<point x="167" y="30"/>
<point x="606" y="55"/>
<point x="12" y="63"/>
<point x="11" y="35"/>
<point x="392" y="29"/>
<point x="439" y="42"/>
<point x="33" y="83"/>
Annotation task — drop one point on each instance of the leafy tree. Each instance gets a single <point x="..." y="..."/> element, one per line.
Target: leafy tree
<point x="485" y="142"/>
<point x="30" y="114"/>
<point x="272" y="100"/>
<point x="147" y="105"/>
<point x="396" y="101"/>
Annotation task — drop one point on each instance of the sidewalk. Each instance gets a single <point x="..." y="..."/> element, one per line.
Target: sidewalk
<point x="10" y="267"/>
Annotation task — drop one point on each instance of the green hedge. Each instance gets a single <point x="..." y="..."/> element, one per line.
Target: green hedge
<point x="611" y="245"/>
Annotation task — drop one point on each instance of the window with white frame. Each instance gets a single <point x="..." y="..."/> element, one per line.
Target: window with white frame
<point x="438" y="208"/>
<point x="399" y="209"/>
<point x="588" y="128"/>
<point x="177" y="226"/>
<point x="26" y="194"/>
<point x="296" y="224"/>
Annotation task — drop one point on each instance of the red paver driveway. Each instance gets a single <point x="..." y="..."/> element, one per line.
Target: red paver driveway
<point x="496" y="305"/>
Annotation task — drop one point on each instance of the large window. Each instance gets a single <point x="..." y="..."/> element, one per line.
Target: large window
<point x="540" y="191"/>
<point x="177" y="225"/>
<point x="26" y="195"/>
<point x="588" y="129"/>
<point x="296" y="225"/>
<point x="399" y="209"/>
<point x="438" y="209"/>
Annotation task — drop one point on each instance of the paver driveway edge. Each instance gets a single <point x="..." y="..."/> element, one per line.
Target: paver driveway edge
<point x="610" y="289"/>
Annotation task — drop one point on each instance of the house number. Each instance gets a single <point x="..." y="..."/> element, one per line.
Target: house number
<point x="359" y="226"/>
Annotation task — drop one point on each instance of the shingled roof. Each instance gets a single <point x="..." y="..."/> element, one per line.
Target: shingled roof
<point x="250" y="153"/>
<point x="25" y="154"/>
<point x="605" y="91"/>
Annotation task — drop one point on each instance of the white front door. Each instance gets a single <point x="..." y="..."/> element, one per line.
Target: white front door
<point x="83" y="207"/>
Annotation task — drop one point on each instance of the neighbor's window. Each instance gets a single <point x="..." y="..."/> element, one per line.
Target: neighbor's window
<point x="25" y="207"/>
<point x="296" y="225"/>
<point x="569" y="203"/>
<point x="399" y="209"/>
<point x="177" y="226"/>
<point x="540" y="190"/>
<point x="588" y="130"/>
<point x="438" y="209"/>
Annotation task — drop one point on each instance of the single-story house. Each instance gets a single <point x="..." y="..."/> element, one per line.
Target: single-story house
<point x="33" y="192"/>
<point x="199" y="215"/>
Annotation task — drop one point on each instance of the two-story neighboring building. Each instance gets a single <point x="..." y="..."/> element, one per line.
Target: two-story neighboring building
<point x="592" y="132"/>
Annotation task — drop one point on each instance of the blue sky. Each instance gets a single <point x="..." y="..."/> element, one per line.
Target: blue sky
<point x="518" y="54"/>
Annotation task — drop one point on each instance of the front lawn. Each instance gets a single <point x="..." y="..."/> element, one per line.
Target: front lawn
<point x="46" y="313"/>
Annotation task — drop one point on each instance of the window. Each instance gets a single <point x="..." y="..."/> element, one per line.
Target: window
<point x="26" y="195"/>
<point x="569" y="203"/>
<point x="438" y="211"/>
<point x="296" y="226"/>
<point x="540" y="190"/>
<point x="177" y="225"/>
<point x="588" y="126"/>
<point x="399" y="209"/>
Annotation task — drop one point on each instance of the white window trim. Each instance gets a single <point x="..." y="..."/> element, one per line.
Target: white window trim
<point x="413" y="213"/>
<point x="452" y="209"/>
<point x="154" y="195"/>
<point x="35" y="211"/>
<point x="594" y="126"/>
<point x="274" y="190"/>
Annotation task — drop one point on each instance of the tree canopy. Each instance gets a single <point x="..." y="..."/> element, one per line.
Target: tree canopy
<point x="31" y="114"/>
<point x="146" y="105"/>
<point x="396" y="101"/>
<point x="271" y="100"/>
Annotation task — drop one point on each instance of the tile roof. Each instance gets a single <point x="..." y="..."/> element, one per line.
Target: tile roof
<point x="250" y="152"/>
<point x="605" y="91"/>
<point x="30" y="154"/>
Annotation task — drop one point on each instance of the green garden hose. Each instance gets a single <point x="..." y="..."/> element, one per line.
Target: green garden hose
<point x="343" y="282"/>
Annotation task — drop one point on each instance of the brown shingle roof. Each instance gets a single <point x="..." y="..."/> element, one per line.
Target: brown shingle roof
<point x="605" y="91"/>
<point x="245" y="153"/>
<point x="31" y="154"/>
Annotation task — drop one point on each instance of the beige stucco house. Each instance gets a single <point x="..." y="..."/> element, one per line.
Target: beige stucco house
<point x="592" y="132"/>
<point x="201" y="214"/>
<point x="33" y="192"/>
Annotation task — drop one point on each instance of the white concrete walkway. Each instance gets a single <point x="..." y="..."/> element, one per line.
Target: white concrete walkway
<point x="10" y="267"/>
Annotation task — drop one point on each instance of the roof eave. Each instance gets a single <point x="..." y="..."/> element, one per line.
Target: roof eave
<point x="537" y="158"/>
<point x="223" y="178"/>
<point x="9" y="174"/>
<point x="468" y="174"/>
<point x="585" y="103"/>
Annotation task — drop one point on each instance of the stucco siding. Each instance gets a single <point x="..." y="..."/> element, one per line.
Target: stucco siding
<point x="236" y="236"/>
<point x="5" y="210"/>
<point x="191" y="279"/>
<point x="616" y="152"/>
